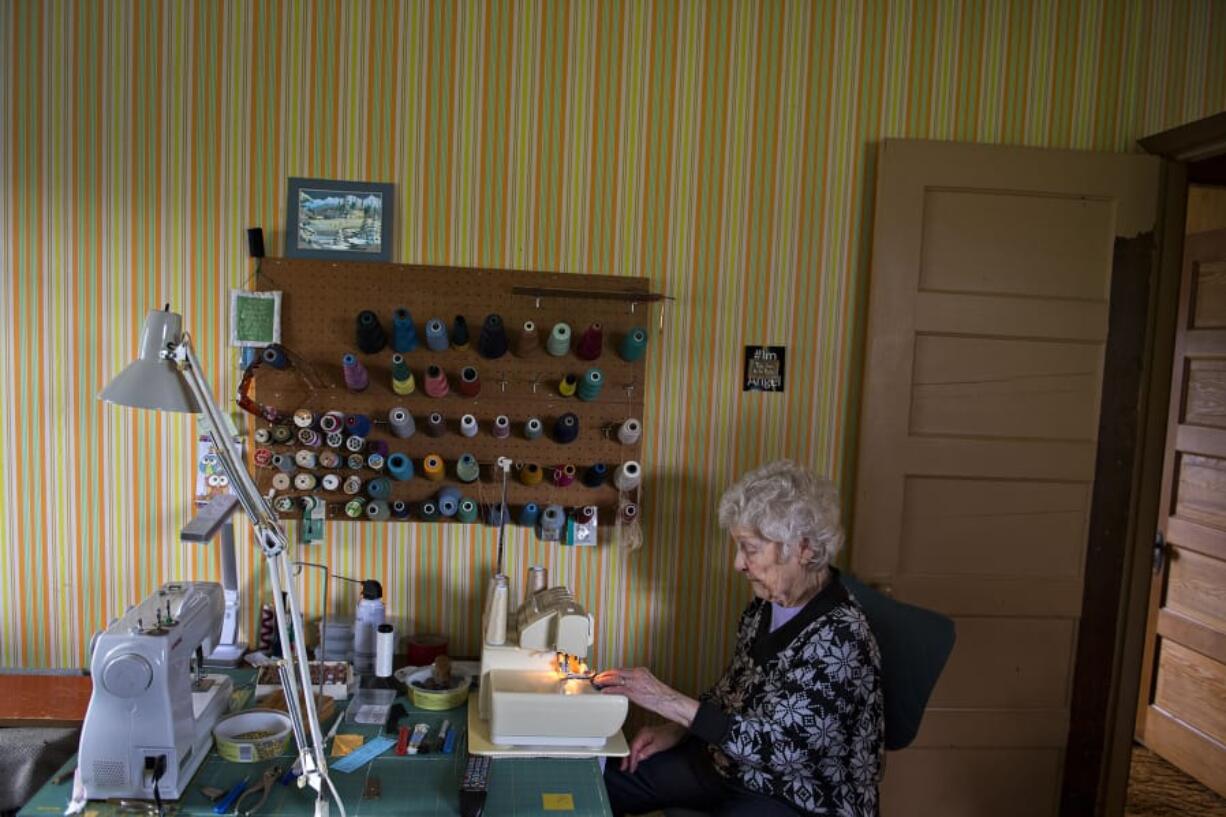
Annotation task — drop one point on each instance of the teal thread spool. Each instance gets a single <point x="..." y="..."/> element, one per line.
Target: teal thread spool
<point x="377" y="510"/>
<point x="400" y="467"/>
<point x="467" y="469"/>
<point x="589" y="386"/>
<point x="559" y="340"/>
<point x="379" y="488"/>
<point x="529" y="514"/>
<point x="467" y="511"/>
<point x="533" y="428"/>
<point x="633" y="345"/>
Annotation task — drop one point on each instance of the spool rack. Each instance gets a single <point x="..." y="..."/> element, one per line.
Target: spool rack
<point x="320" y="304"/>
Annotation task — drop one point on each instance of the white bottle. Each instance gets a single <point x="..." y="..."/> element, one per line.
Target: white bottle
<point x="369" y="616"/>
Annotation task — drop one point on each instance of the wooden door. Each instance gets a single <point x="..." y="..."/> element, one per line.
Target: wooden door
<point x="1183" y="705"/>
<point x="988" y="313"/>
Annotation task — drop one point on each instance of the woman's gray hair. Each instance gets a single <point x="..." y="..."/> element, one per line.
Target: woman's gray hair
<point x="785" y="502"/>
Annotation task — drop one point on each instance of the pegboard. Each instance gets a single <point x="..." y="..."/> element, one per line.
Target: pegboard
<point x="320" y="304"/>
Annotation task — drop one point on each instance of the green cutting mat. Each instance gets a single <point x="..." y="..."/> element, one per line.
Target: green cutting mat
<point x="410" y="784"/>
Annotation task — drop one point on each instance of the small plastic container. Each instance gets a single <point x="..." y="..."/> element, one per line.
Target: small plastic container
<point x="252" y="735"/>
<point x="438" y="699"/>
<point x="370" y="706"/>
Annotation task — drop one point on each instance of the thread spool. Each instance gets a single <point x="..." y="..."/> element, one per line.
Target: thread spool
<point x="527" y="342"/>
<point x="590" y="385"/>
<point x="282" y="434"/>
<point x="380" y="447"/>
<point x="275" y="356"/>
<point x="355" y="508"/>
<point x="538" y="578"/>
<point x="263" y="436"/>
<point x="436" y="426"/>
<point x="355" y="444"/>
<point x="448" y="501"/>
<point x="400" y="467"/>
<point x="356" y="462"/>
<point x="566" y="428"/>
<point x="304" y="418"/>
<point x="335" y="440"/>
<point x="352" y="484"/>
<point x="627" y="476"/>
<point x="283" y="504"/>
<point x="633" y="345"/>
<point x="459" y="333"/>
<point x="281" y="481"/>
<point x="563" y="475"/>
<point x="402" y="379"/>
<point x="628" y="513"/>
<point x="559" y="340"/>
<point x="332" y="422"/>
<point x="533" y="428"/>
<point x="404" y="332"/>
<point x="304" y="458"/>
<point x="329" y="459"/>
<point x="468" y="425"/>
<point x="371" y="338"/>
<point x="284" y="462"/>
<point x="567" y="385"/>
<point x="492" y="343"/>
<point x="375" y="461"/>
<point x="467" y="469"/>
<point x="330" y="482"/>
<point x="262" y="457"/>
<point x="356" y="378"/>
<point x="629" y="432"/>
<point x="401" y="422"/>
<point x="304" y="481"/>
<point x="496" y="515"/>
<point x="591" y="343"/>
<point x="310" y="437"/>
<point x="552" y="520"/>
<point x="467" y="511"/>
<point x="436" y="382"/>
<point x="432" y="467"/>
<point x="595" y="475"/>
<point x="529" y="514"/>
<point x="470" y="385"/>
<point x="585" y="515"/>
<point x="436" y="335"/>
<point x="502" y="427"/>
<point x="531" y="474"/>
<point x="377" y="510"/>
<point x="428" y="511"/>
<point x="400" y="509"/>
<point x="358" y="425"/>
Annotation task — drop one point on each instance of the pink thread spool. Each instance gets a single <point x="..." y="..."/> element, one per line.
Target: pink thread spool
<point x="436" y="382"/>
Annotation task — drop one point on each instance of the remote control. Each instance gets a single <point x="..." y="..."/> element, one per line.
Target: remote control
<point x="474" y="784"/>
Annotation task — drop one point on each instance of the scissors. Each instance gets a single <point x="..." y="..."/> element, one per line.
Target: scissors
<point x="271" y="775"/>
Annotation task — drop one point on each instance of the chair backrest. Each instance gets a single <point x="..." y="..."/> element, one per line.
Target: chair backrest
<point x="915" y="644"/>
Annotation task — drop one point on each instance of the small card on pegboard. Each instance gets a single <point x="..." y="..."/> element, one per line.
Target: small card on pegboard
<point x="764" y="368"/>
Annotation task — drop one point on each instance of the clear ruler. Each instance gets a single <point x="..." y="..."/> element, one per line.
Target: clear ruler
<point x="362" y="755"/>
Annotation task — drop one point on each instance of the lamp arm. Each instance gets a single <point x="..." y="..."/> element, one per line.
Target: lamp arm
<point x="273" y="542"/>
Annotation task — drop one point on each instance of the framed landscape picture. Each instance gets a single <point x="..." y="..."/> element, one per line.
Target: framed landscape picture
<point x="339" y="220"/>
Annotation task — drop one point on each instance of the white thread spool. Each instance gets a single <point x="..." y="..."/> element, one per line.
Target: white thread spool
<point x="627" y="476"/>
<point x="468" y="425"/>
<point x="629" y="432"/>
<point x="305" y="458"/>
<point x="401" y="422"/>
<point x="385" y="649"/>
<point x="304" y="482"/>
<point x="331" y="482"/>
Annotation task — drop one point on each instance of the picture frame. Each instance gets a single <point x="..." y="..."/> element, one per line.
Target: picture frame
<point x="255" y="318"/>
<point x="339" y="220"/>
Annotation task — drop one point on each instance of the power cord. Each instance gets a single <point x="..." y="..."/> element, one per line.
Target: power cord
<point x="159" y="770"/>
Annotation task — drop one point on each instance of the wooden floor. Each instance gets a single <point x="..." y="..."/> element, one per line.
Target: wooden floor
<point x="1158" y="789"/>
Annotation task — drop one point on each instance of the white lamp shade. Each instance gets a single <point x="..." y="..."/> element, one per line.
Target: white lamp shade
<point x="151" y="381"/>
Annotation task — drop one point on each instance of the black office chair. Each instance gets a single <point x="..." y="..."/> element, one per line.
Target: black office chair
<point x="915" y="643"/>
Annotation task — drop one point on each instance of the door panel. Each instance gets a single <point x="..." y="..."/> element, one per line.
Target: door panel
<point x="987" y="326"/>
<point x="1184" y="690"/>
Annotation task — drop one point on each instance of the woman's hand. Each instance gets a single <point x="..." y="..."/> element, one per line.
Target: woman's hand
<point x="649" y="692"/>
<point x="651" y="740"/>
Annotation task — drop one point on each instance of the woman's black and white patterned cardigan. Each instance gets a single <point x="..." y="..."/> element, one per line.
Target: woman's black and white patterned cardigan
<point x="798" y="715"/>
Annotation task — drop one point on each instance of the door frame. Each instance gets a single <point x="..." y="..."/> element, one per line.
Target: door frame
<point x="1111" y="638"/>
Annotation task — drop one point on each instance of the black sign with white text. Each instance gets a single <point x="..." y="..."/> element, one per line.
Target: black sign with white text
<point x="764" y="368"/>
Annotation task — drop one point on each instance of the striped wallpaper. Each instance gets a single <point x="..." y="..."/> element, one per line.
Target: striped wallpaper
<point x="724" y="149"/>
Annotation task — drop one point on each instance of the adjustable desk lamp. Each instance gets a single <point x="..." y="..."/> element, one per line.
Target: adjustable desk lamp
<point x="167" y="377"/>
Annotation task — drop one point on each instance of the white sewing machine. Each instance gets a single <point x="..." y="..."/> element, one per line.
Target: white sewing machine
<point x="147" y="711"/>
<point x="535" y="688"/>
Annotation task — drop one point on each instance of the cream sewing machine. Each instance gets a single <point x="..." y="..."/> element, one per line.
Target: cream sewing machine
<point x="149" y="720"/>
<point x="535" y="688"/>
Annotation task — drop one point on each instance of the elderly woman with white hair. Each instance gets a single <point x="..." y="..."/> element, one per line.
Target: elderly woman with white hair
<point x="795" y="725"/>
